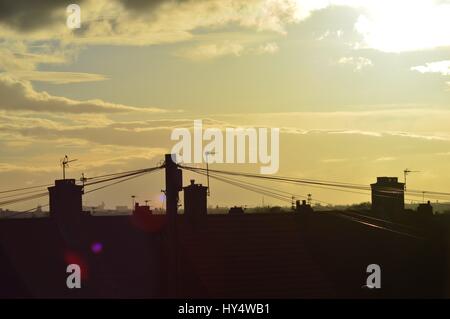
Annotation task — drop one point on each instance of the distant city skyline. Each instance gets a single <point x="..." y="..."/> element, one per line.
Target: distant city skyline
<point x="359" y="89"/>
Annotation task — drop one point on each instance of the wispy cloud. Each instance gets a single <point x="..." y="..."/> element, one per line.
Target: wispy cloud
<point x="57" y="77"/>
<point x="120" y="22"/>
<point x="358" y="63"/>
<point x="151" y="22"/>
<point x="442" y="67"/>
<point x="20" y="95"/>
<point x="430" y="137"/>
<point x="356" y="132"/>
<point x="334" y="160"/>
<point x="270" y="48"/>
<point x="211" y="51"/>
<point x="385" y="159"/>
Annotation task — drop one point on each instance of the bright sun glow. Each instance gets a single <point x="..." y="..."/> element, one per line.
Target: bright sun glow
<point x="396" y="25"/>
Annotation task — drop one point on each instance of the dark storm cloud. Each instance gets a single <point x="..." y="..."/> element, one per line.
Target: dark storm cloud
<point x="147" y="5"/>
<point x="29" y="15"/>
<point x="142" y="4"/>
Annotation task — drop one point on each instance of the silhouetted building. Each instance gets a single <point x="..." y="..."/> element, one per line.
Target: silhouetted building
<point x="66" y="210"/>
<point x="195" y="200"/>
<point x="65" y="198"/>
<point x="388" y="196"/>
<point x="267" y="255"/>
<point x="233" y="256"/>
<point x="275" y="209"/>
<point x="142" y="209"/>
<point x="143" y="218"/>
<point x="425" y="209"/>
<point x="236" y="210"/>
<point x="303" y="207"/>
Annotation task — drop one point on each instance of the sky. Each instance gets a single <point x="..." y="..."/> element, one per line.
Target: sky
<point x="359" y="89"/>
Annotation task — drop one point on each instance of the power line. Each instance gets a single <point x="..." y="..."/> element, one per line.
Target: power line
<point x="20" y="194"/>
<point x="264" y="190"/>
<point x="121" y="173"/>
<point x="24" y="188"/>
<point x="366" y="193"/>
<point x="377" y="226"/>
<point x="117" y="182"/>
<point x="39" y="195"/>
<point x="317" y="186"/>
<point x="386" y="190"/>
<point x="356" y="218"/>
<point x="88" y="178"/>
<point x="288" y="194"/>
<point x="23" y="199"/>
<point x="250" y="188"/>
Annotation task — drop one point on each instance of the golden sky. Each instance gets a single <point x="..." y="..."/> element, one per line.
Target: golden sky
<point x="359" y="89"/>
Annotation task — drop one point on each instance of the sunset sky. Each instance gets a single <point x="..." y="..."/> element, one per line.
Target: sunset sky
<point x="358" y="88"/>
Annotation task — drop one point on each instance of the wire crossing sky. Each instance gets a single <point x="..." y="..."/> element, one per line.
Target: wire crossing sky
<point x="358" y="88"/>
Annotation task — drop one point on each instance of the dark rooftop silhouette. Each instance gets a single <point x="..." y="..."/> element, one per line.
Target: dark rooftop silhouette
<point x="297" y="254"/>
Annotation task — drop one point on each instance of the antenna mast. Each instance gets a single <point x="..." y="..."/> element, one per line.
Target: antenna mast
<point x="65" y="163"/>
<point x="207" y="169"/>
<point x="405" y="173"/>
<point x="309" y="199"/>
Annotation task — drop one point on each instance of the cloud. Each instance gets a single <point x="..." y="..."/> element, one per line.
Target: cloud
<point x="443" y="153"/>
<point x="421" y="121"/>
<point x="20" y="95"/>
<point x="358" y="63"/>
<point x="385" y="159"/>
<point x="269" y="48"/>
<point x="356" y="132"/>
<point x="442" y="67"/>
<point x="143" y="22"/>
<point x="26" y="15"/>
<point x="108" y="148"/>
<point x="17" y="55"/>
<point x="32" y="35"/>
<point x="93" y="156"/>
<point x="140" y="5"/>
<point x="428" y="137"/>
<point x="20" y="60"/>
<point x="211" y="51"/>
<point x="334" y="160"/>
<point x="156" y="133"/>
<point x="385" y="25"/>
<point x="330" y="34"/>
<point x="57" y="77"/>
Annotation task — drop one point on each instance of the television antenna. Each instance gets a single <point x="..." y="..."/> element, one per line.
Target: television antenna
<point x="207" y="169"/>
<point x="133" y="201"/>
<point x="309" y="200"/>
<point x="65" y="164"/>
<point x="406" y="171"/>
